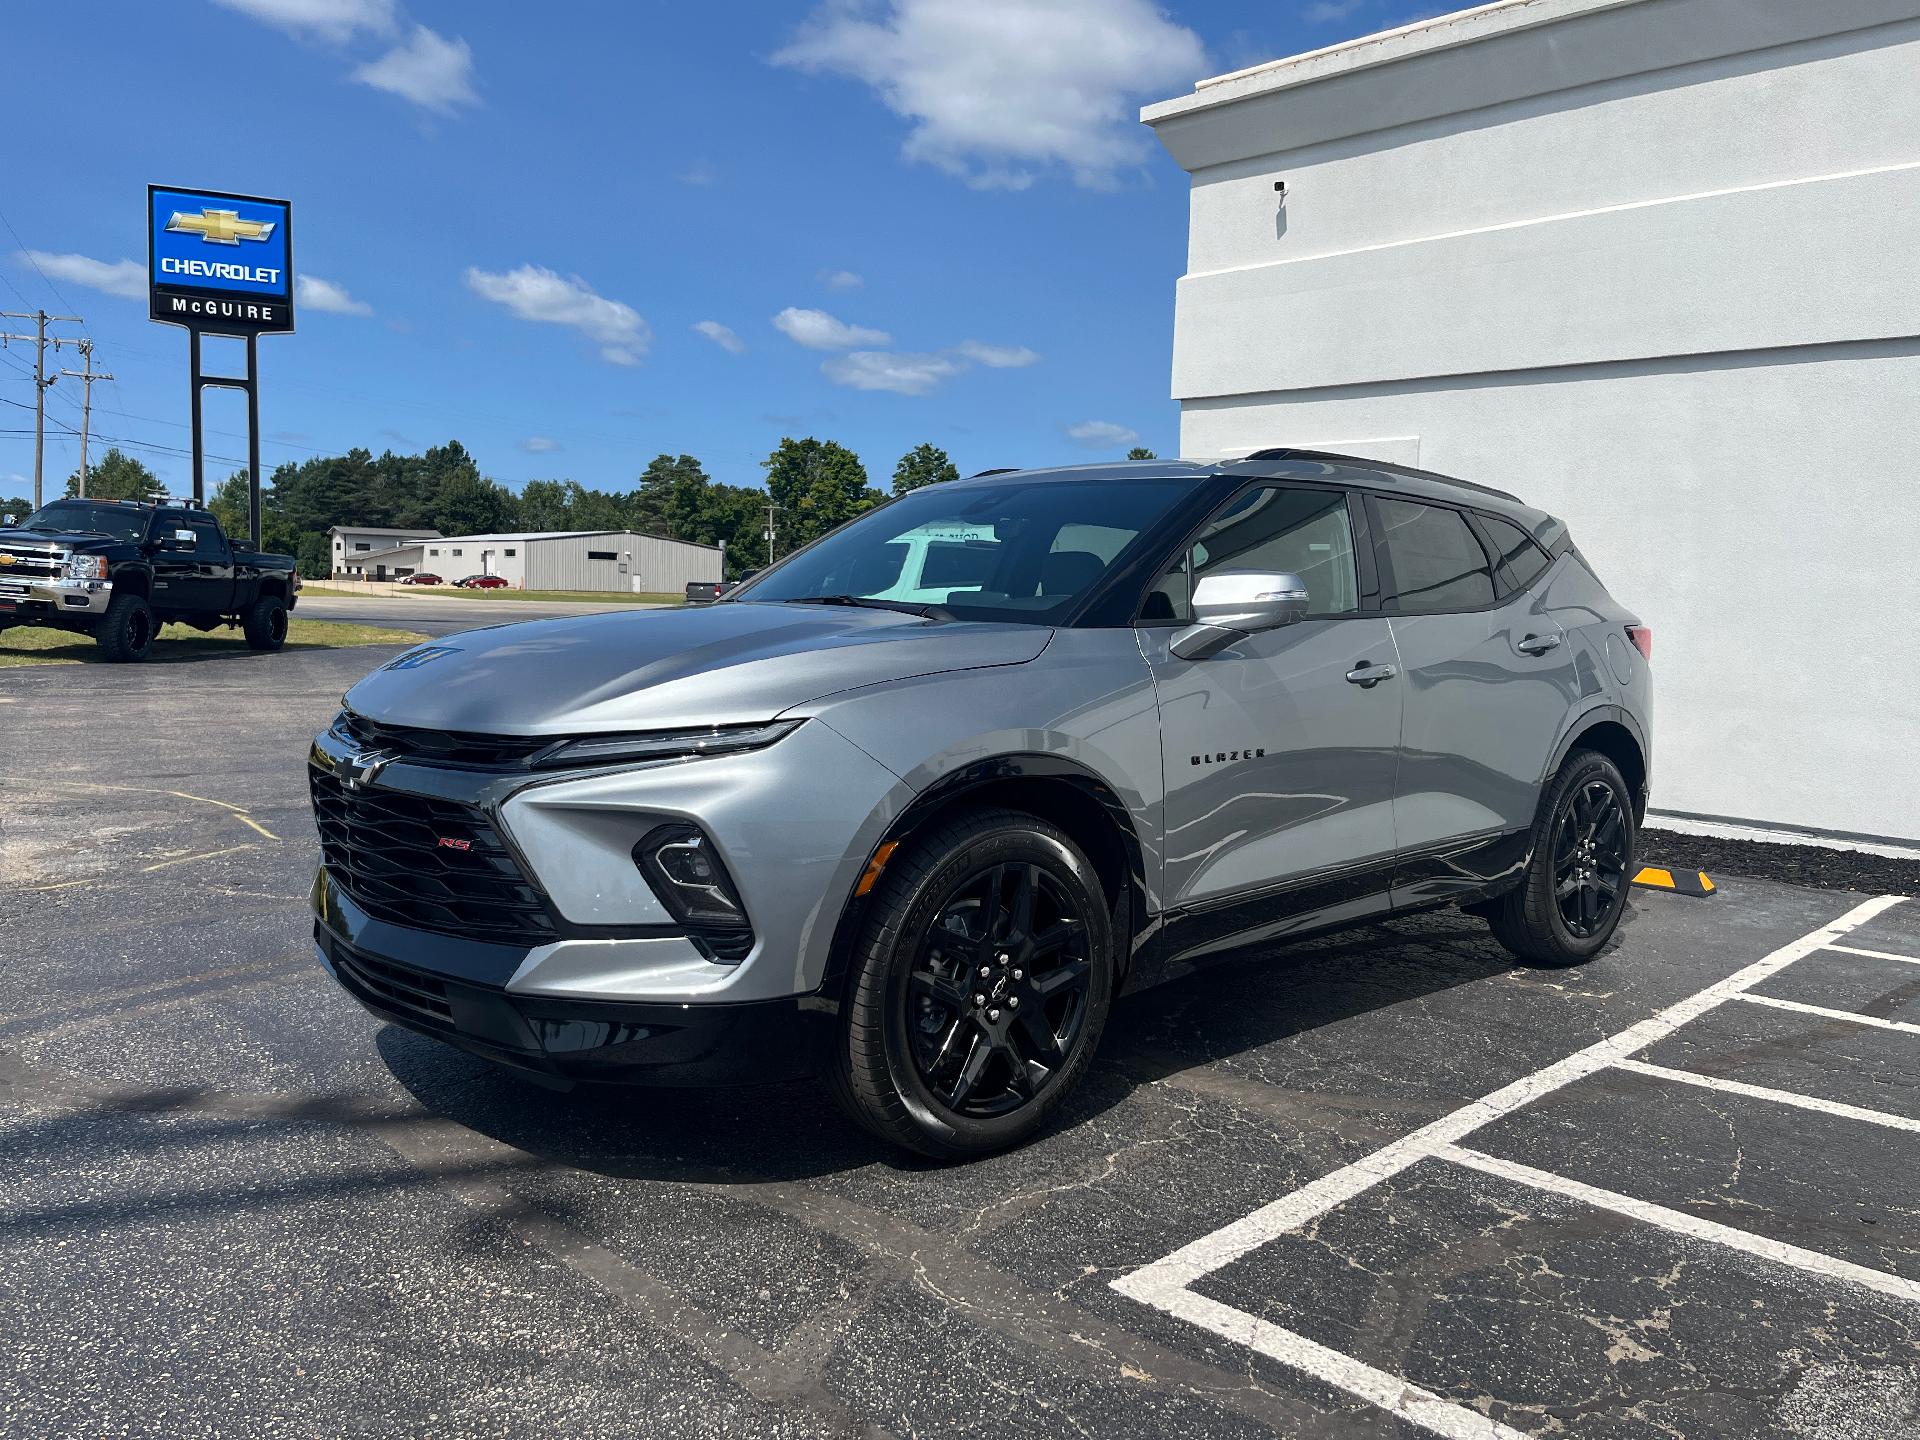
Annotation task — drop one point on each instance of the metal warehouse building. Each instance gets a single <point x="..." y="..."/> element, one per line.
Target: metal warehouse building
<point x="1649" y="264"/>
<point x="611" y="560"/>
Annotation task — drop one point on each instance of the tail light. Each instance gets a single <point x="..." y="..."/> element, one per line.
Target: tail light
<point x="1642" y="638"/>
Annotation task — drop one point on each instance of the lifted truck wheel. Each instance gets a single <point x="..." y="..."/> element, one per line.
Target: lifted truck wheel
<point x="126" y="633"/>
<point x="265" y="623"/>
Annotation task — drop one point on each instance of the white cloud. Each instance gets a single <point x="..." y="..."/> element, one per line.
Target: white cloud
<point x="539" y="445"/>
<point x="1102" y="434"/>
<point x="902" y="373"/>
<point x="432" y="71"/>
<point x="818" y="330"/>
<point x="998" y="90"/>
<point x="720" y="335"/>
<point x="997" y="357"/>
<point x="533" y="292"/>
<point x="842" y="280"/>
<point x="1325" y="12"/>
<point x="314" y="293"/>
<point x="334" y="21"/>
<point x="699" y="174"/>
<point x="110" y="277"/>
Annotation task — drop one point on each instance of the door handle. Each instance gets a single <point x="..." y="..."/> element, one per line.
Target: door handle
<point x="1366" y="676"/>
<point x="1537" y="644"/>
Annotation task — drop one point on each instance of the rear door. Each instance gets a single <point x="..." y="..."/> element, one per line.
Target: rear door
<point x="1488" y="684"/>
<point x="212" y="579"/>
<point x="1279" y="761"/>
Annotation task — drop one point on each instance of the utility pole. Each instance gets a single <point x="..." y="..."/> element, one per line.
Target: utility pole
<point x="771" y="507"/>
<point x="86" y="378"/>
<point x="40" y="380"/>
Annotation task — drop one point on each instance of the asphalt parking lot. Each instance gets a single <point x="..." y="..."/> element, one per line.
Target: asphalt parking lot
<point x="1377" y="1184"/>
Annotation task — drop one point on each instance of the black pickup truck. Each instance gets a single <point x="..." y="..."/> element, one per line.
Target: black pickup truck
<point x="120" y="569"/>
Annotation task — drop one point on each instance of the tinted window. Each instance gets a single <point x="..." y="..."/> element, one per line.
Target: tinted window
<point x="1435" y="562"/>
<point x="1281" y="529"/>
<point x="207" y="541"/>
<point x="592" y="555"/>
<point x="1522" y="559"/>
<point x="1031" y="548"/>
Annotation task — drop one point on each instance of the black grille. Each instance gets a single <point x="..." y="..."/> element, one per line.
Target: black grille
<point x="398" y="987"/>
<point x="440" y="747"/>
<point x="399" y="857"/>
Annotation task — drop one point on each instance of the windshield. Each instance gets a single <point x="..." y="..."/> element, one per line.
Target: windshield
<point x="1025" y="551"/>
<point x="78" y="517"/>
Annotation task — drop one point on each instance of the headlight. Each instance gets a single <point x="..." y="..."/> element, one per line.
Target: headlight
<point x="685" y="872"/>
<point x="664" y="744"/>
<point x="84" y="567"/>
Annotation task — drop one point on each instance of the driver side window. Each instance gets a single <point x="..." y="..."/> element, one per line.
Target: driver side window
<point x="1275" y="528"/>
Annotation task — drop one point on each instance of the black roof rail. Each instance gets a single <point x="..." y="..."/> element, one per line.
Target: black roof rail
<point x="1288" y="452"/>
<point x="998" y="470"/>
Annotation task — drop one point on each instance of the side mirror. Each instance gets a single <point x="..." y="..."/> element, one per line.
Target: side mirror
<point x="9" y="520"/>
<point x="1231" y="604"/>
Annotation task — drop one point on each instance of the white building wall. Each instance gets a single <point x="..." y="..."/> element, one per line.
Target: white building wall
<point x="1648" y="264"/>
<point x="641" y="563"/>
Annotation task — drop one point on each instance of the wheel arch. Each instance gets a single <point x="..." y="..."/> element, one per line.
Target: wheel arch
<point x="1058" y="790"/>
<point x="1613" y="731"/>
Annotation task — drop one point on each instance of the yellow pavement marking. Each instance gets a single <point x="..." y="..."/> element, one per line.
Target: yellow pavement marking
<point x="253" y="824"/>
<point x="181" y="860"/>
<point x="239" y="812"/>
<point x="57" y="885"/>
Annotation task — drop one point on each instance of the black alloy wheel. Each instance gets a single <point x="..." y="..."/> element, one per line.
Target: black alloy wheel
<point x="998" y="996"/>
<point x="980" y="983"/>
<point x="1573" y="893"/>
<point x="1589" y="858"/>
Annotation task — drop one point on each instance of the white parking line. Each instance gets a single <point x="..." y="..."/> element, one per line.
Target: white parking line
<point x="1767" y="1092"/>
<point x="1877" y="954"/>
<point x="1828" y="1013"/>
<point x="1692" y="1226"/>
<point x="1166" y="1283"/>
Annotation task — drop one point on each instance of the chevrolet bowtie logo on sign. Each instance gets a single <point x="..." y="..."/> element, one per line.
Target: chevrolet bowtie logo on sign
<point x="220" y="227"/>
<point x="219" y="263"/>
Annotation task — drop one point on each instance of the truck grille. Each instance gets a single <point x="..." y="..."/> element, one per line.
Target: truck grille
<point x="29" y="564"/>
<point x="440" y="747"/>
<point x="399" y="857"/>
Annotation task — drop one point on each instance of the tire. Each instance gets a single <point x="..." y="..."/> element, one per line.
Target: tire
<point x="1566" y="909"/>
<point x="928" y="1060"/>
<point x="265" y="623"/>
<point x="126" y="633"/>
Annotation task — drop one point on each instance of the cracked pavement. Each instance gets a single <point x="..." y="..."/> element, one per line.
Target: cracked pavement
<point x="236" y="1205"/>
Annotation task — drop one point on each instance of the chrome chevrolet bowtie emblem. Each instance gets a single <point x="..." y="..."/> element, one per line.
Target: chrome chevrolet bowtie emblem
<point x="219" y="227"/>
<point x="359" y="770"/>
<point x="8" y="560"/>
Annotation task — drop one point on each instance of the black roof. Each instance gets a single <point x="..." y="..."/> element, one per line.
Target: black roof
<point x="1288" y="463"/>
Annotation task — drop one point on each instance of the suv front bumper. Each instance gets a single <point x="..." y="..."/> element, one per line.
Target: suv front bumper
<point x="559" y="1040"/>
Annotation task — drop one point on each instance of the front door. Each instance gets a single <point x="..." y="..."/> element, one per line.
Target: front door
<point x="1279" y="753"/>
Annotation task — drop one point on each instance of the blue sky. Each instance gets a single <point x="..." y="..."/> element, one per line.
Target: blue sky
<point x="576" y="236"/>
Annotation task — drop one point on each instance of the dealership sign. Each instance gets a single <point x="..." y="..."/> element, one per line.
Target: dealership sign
<point x="219" y="263"/>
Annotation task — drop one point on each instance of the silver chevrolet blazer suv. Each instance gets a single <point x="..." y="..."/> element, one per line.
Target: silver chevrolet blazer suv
<point x="909" y="809"/>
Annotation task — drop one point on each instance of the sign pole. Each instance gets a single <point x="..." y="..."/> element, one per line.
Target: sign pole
<point x="193" y="381"/>
<point x="253" y="441"/>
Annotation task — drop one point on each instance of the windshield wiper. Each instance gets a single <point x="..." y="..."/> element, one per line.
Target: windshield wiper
<point x="865" y="602"/>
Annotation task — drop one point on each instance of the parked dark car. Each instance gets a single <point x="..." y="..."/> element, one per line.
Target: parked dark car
<point x="481" y="582"/>
<point x="120" y="569"/>
<point x="421" y="577"/>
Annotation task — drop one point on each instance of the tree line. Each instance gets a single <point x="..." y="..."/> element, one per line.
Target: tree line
<point x="812" y="484"/>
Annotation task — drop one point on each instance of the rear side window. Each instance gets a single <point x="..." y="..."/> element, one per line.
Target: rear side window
<point x="207" y="540"/>
<point x="1435" y="561"/>
<point x="1520" y="557"/>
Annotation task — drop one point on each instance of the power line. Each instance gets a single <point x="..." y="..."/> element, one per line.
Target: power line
<point x="40" y="319"/>
<point x="86" y="377"/>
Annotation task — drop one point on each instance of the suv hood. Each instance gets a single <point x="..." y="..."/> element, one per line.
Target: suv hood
<point x="731" y="663"/>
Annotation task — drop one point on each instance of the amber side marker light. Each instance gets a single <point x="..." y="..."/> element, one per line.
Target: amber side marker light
<point x="1680" y="882"/>
<point x="871" y="876"/>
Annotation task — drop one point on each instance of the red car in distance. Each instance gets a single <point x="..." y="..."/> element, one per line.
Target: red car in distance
<point x="481" y="582"/>
<point x="421" y="577"/>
